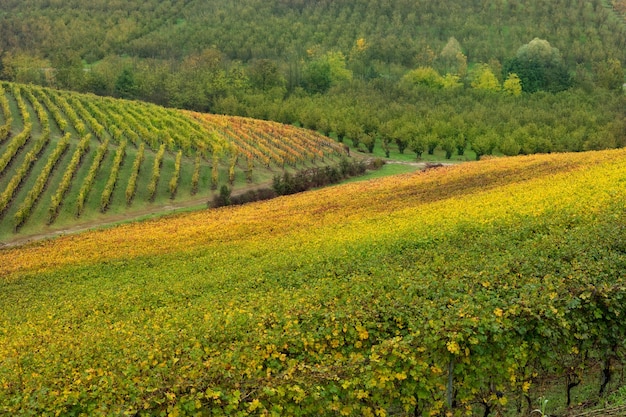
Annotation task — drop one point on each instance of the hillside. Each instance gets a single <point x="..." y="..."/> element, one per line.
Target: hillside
<point x="470" y="286"/>
<point x="68" y="159"/>
<point x="197" y="54"/>
<point x="542" y="76"/>
<point x="397" y="31"/>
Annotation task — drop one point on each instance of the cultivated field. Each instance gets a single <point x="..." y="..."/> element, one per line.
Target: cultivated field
<point x="466" y="287"/>
<point x="68" y="158"/>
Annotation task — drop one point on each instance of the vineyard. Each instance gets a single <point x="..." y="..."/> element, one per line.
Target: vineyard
<point x="68" y="157"/>
<point x="462" y="290"/>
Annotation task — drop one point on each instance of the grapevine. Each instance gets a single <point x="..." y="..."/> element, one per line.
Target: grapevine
<point x="195" y="178"/>
<point x="68" y="176"/>
<point x="132" y="181"/>
<point x="156" y="173"/>
<point x="24" y="210"/>
<point x="52" y="109"/>
<point x="105" y="198"/>
<point x="91" y="176"/>
<point x="22" y="172"/>
<point x="5" y="129"/>
<point x="173" y="185"/>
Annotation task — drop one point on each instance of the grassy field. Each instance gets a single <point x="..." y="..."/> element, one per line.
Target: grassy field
<point x="464" y="289"/>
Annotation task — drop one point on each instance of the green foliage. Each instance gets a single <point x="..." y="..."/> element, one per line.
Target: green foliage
<point x="451" y="81"/>
<point x="452" y="59"/>
<point x="25" y="208"/>
<point x="223" y="198"/>
<point x="540" y="66"/>
<point x="195" y="178"/>
<point x="512" y="85"/>
<point x="90" y="177"/>
<point x="156" y="172"/>
<point x="484" y="144"/>
<point x="484" y="79"/>
<point x="125" y="85"/>
<point x="425" y="76"/>
<point x="265" y="75"/>
<point x="16" y="143"/>
<point x="24" y="169"/>
<point x="303" y="47"/>
<point x="68" y="176"/>
<point x="173" y="184"/>
<point x="118" y="159"/>
<point x="304" y="180"/>
<point x="52" y="108"/>
<point x="215" y="171"/>
<point x="317" y="77"/>
<point x="610" y="75"/>
<point x="132" y="181"/>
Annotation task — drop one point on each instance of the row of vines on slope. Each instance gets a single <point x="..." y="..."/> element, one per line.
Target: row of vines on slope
<point x="219" y="148"/>
<point x="271" y="143"/>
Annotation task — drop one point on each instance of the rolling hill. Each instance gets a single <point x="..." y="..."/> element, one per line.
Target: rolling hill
<point x="492" y="287"/>
<point x="465" y="288"/>
<point x="68" y="158"/>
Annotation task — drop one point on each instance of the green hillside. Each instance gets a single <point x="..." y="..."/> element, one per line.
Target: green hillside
<point x="266" y="44"/>
<point x="68" y="159"/>
<point x="369" y="71"/>
<point x="397" y="31"/>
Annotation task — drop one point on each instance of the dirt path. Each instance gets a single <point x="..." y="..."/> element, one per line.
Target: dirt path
<point x="110" y="220"/>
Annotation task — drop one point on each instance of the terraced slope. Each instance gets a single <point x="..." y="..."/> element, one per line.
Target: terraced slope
<point x="460" y="289"/>
<point x="67" y="158"/>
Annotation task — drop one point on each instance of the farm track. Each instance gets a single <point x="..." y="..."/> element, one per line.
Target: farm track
<point x="114" y="219"/>
<point x="164" y="210"/>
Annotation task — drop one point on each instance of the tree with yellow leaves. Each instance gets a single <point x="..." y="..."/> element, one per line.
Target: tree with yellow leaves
<point x="484" y="79"/>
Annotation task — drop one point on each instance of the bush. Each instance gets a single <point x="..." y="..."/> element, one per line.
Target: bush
<point x="223" y="198"/>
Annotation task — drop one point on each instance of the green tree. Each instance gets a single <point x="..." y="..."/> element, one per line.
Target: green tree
<point x="426" y="76"/>
<point x="25" y="68"/>
<point x="264" y="75"/>
<point x="402" y="134"/>
<point x="540" y="67"/>
<point x="484" y="144"/>
<point x="449" y="145"/>
<point x="417" y="145"/>
<point x="509" y="146"/>
<point x="451" y="81"/>
<point x="316" y="77"/>
<point x="513" y="85"/>
<point x="432" y="141"/>
<point x="484" y="79"/>
<point x="610" y="75"/>
<point x="126" y="85"/>
<point x="451" y="59"/>
<point x="68" y="69"/>
<point x="339" y="72"/>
